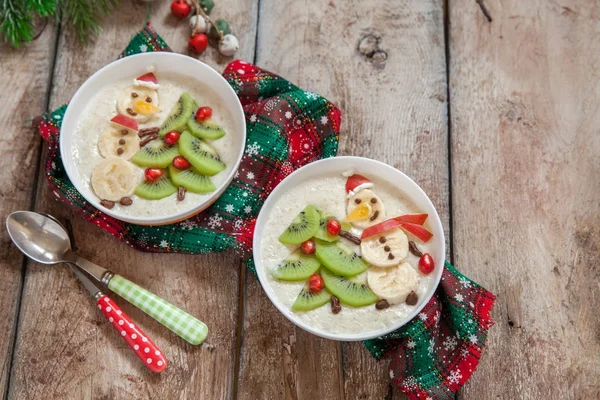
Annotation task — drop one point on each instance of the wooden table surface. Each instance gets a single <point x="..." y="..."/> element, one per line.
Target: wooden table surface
<point x="498" y="121"/>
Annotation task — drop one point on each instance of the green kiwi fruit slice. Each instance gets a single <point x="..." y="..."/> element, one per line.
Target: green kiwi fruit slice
<point x="349" y="291"/>
<point x="322" y="232"/>
<point x="155" y="154"/>
<point x="303" y="227"/>
<point x="200" y="154"/>
<point x="179" y="115"/>
<point x="205" y="129"/>
<point x="160" y="188"/>
<point x="192" y="180"/>
<point x="297" y="267"/>
<point x="339" y="259"/>
<point x="308" y="300"/>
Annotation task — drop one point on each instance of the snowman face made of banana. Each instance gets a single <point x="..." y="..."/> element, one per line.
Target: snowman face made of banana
<point x="140" y="101"/>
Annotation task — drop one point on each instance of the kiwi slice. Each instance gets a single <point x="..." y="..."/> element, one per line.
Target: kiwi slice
<point x="349" y="291"/>
<point x="200" y="154"/>
<point x="302" y="228"/>
<point x="155" y="154"/>
<point x="340" y="259"/>
<point x="308" y="300"/>
<point x="297" y="267"/>
<point x="160" y="188"/>
<point x="322" y="232"/>
<point x="179" y="115"/>
<point x="192" y="180"/>
<point x="205" y="129"/>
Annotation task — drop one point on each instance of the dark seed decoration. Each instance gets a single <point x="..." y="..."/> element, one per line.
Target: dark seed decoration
<point x="148" y="139"/>
<point x="120" y="151"/>
<point x="350" y="237"/>
<point x="180" y="193"/>
<point x="375" y="215"/>
<point x="148" y="131"/>
<point x="134" y="94"/>
<point x="391" y="256"/>
<point x="124" y="132"/>
<point x="412" y="298"/>
<point x="382" y="304"/>
<point x="121" y="141"/>
<point x="131" y="112"/>
<point x="336" y="307"/>
<point x="126" y="201"/>
<point x="387" y="248"/>
<point x="382" y="239"/>
<point x="373" y="200"/>
<point x="148" y="99"/>
<point x="107" y="203"/>
<point x="412" y="246"/>
<point x="357" y="201"/>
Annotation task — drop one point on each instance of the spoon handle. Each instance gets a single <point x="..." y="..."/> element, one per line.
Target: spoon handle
<point x="142" y="346"/>
<point x="183" y="324"/>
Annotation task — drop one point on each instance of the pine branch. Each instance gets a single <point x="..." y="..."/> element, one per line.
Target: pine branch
<point x="43" y="8"/>
<point x="85" y="16"/>
<point x="16" y="24"/>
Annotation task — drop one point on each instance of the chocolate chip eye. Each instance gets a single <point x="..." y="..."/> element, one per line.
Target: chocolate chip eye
<point x="134" y="95"/>
<point x="373" y="200"/>
<point x="148" y="99"/>
<point x="357" y="201"/>
<point x="382" y="240"/>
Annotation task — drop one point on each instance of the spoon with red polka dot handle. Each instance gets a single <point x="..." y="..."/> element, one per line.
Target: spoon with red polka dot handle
<point x="142" y="346"/>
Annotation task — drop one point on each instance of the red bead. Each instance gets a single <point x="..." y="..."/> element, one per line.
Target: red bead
<point x="333" y="227"/>
<point x="171" y="138"/>
<point x="180" y="8"/>
<point x="153" y="174"/>
<point x="315" y="283"/>
<point x="308" y="247"/>
<point x="203" y="113"/>
<point x="426" y="264"/>
<point x="181" y="163"/>
<point x="198" y="43"/>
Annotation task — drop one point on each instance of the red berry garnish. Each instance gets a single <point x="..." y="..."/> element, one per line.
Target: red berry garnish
<point x="153" y="174"/>
<point x="171" y="138"/>
<point x="333" y="227"/>
<point x="308" y="247"/>
<point x="426" y="264"/>
<point x="198" y="43"/>
<point x="181" y="163"/>
<point x="180" y="8"/>
<point x="203" y="113"/>
<point x="315" y="283"/>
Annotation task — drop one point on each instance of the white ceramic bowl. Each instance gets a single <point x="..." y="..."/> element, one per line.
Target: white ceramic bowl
<point x="373" y="169"/>
<point x="128" y="68"/>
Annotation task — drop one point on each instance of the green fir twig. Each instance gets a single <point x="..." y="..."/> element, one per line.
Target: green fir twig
<point x="16" y="24"/>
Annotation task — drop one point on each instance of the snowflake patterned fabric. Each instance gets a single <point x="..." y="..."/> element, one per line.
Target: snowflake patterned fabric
<point x="287" y="128"/>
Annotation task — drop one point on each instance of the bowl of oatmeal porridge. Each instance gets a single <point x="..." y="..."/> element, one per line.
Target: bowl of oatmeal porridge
<point x="153" y="138"/>
<point x="349" y="248"/>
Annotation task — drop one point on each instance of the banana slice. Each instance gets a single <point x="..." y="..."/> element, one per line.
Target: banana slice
<point x="374" y="202"/>
<point x="385" y="250"/>
<point x="111" y="140"/>
<point x="113" y="179"/>
<point x="126" y="104"/>
<point x="393" y="284"/>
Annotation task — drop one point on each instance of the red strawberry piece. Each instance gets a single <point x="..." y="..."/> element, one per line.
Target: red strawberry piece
<point x="125" y="121"/>
<point x="148" y="77"/>
<point x="354" y="181"/>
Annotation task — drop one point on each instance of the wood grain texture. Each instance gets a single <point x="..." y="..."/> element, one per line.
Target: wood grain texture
<point x="24" y="81"/>
<point x="525" y="141"/>
<point x="65" y="348"/>
<point x="394" y="109"/>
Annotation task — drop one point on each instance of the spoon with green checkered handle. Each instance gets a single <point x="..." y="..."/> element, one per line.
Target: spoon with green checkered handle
<point x="45" y="240"/>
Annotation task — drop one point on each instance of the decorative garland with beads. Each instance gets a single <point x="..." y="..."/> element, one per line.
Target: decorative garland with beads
<point x="205" y="31"/>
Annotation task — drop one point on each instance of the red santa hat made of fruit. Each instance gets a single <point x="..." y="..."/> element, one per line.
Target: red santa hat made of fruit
<point x="148" y="77"/>
<point x="356" y="180"/>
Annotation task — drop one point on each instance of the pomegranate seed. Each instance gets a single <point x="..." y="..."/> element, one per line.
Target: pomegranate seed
<point x="333" y="227"/>
<point x="308" y="247"/>
<point x="315" y="283"/>
<point x="153" y="174"/>
<point x="203" y="113"/>
<point x="181" y="163"/>
<point x="171" y="138"/>
<point x="426" y="264"/>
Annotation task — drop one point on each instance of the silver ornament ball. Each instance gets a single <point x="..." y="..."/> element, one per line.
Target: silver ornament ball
<point x="229" y="45"/>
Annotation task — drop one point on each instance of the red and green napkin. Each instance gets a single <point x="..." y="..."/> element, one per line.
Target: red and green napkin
<point x="287" y="128"/>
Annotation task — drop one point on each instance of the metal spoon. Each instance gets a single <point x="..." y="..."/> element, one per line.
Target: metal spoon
<point x="45" y="241"/>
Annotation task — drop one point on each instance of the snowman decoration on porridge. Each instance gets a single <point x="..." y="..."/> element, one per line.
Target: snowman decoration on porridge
<point x="359" y="260"/>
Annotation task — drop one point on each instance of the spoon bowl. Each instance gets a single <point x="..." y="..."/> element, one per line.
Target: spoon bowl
<point x="40" y="238"/>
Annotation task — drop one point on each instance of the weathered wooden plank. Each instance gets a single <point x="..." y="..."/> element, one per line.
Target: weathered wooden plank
<point x="65" y="348"/>
<point x="525" y="143"/>
<point x="394" y="108"/>
<point x="24" y="83"/>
